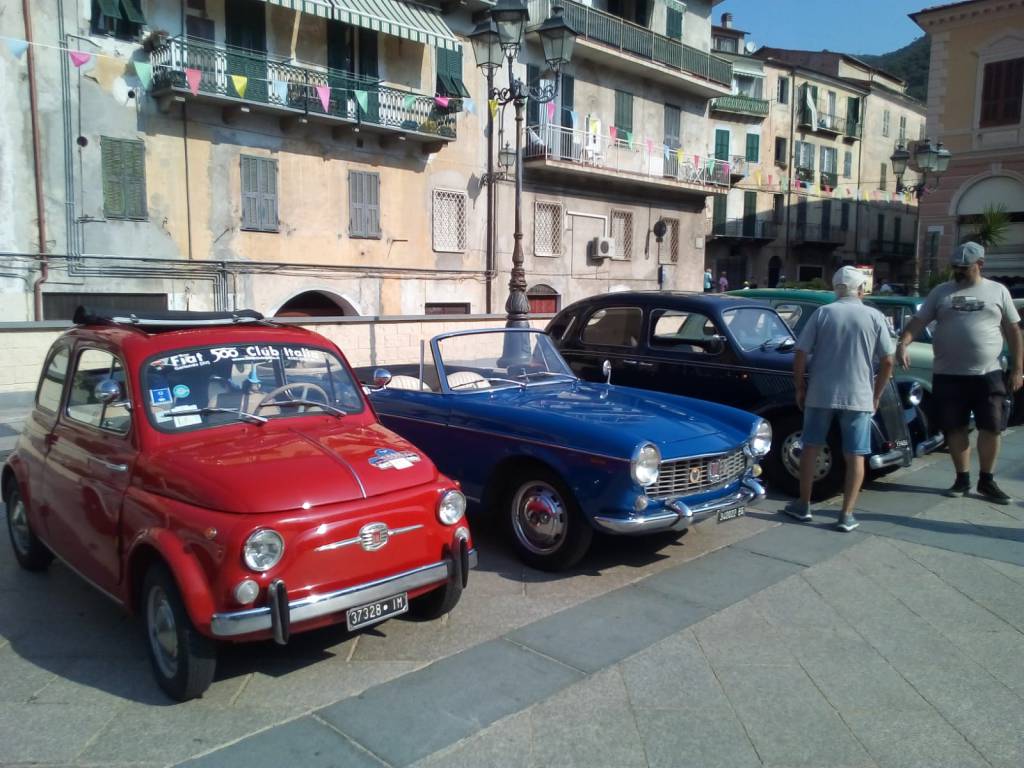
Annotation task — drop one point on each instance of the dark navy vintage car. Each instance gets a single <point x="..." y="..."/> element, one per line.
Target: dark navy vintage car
<point x="502" y="412"/>
<point x="728" y="349"/>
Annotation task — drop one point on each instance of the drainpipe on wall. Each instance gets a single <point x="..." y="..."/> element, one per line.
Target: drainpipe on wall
<point x="44" y="265"/>
<point x="792" y="164"/>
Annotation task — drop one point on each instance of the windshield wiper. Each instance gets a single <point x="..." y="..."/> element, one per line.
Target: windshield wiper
<point x="194" y="410"/>
<point x="298" y="401"/>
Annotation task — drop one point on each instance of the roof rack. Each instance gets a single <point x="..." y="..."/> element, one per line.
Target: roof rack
<point x="168" y="320"/>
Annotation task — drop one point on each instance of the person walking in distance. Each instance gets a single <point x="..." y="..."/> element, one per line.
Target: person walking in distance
<point x="723" y="283"/>
<point x="709" y="280"/>
<point x="842" y="344"/>
<point x="972" y="317"/>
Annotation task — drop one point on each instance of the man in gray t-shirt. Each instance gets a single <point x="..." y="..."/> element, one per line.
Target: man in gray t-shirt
<point x="843" y="342"/>
<point x="972" y="317"/>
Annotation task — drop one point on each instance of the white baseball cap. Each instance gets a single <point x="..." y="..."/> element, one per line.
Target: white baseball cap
<point x="851" y="277"/>
<point x="967" y="254"/>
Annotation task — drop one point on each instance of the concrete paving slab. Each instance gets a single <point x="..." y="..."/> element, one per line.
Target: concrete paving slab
<point x="20" y="678"/>
<point x="505" y="744"/>
<point x="852" y="684"/>
<point x="695" y="737"/>
<point x="305" y="742"/>
<point x="68" y="730"/>
<point x="912" y="738"/>
<point x="672" y="674"/>
<point x="800" y="544"/>
<point x="447" y="701"/>
<point x="740" y="634"/>
<point x="1001" y="654"/>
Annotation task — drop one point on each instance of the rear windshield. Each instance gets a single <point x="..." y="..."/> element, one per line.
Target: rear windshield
<point x="201" y="387"/>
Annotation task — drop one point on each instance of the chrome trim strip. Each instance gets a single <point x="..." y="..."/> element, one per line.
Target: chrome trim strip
<point x="879" y="460"/>
<point x="343" y="462"/>
<point x="929" y="445"/>
<point x="244" y="622"/>
<point x="110" y="465"/>
<point x="642" y="524"/>
<point x="357" y="539"/>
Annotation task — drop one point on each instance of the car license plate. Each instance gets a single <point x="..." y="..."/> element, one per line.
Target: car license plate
<point x="729" y="514"/>
<point x="379" y="610"/>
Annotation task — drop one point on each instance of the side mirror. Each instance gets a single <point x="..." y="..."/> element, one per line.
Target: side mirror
<point x="107" y="391"/>
<point x="606" y="369"/>
<point x="381" y="378"/>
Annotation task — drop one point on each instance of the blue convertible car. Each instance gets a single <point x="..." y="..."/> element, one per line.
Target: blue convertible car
<point x="502" y="412"/>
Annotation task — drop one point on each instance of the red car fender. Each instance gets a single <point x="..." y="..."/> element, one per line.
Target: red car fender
<point x="14" y="470"/>
<point x="187" y="572"/>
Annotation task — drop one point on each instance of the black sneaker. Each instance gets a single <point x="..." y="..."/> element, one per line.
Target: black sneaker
<point x="993" y="492"/>
<point x="960" y="488"/>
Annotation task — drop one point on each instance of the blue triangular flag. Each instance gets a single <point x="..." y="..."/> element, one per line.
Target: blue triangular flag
<point x="469" y="105"/>
<point x="575" y="116"/>
<point x="17" y="48"/>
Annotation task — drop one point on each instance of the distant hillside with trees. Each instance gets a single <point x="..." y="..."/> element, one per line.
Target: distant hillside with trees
<point x="909" y="62"/>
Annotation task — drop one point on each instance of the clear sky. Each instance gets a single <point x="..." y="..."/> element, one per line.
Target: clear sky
<point x="847" y="26"/>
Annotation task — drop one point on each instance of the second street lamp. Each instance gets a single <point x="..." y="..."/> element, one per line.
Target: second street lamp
<point x="508" y="20"/>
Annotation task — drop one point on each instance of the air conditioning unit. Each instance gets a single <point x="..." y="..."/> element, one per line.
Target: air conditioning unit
<point x="603" y="248"/>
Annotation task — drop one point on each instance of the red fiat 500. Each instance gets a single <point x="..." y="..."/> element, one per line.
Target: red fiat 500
<point x="227" y="478"/>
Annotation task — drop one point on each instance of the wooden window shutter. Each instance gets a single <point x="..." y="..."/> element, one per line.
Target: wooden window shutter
<point x="364" y="204"/>
<point x="266" y="177"/>
<point x="568" y="96"/>
<point x="250" y="194"/>
<point x="532" y="107"/>
<point x="753" y="147"/>
<point x="673" y="24"/>
<point x="134" y="155"/>
<point x="721" y="144"/>
<point x="373" y="204"/>
<point x="112" y="160"/>
<point x="355" y="204"/>
<point x="624" y="111"/>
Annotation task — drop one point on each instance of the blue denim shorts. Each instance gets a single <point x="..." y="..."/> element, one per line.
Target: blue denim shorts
<point x="855" y="427"/>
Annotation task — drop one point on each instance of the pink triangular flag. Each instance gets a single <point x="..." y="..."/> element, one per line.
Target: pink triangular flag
<point x="613" y="131"/>
<point x="78" y="58"/>
<point x="650" y="145"/>
<point x="551" y="110"/>
<point x="193" y="76"/>
<point x="441" y="101"/>
<point x="324" y="92"/>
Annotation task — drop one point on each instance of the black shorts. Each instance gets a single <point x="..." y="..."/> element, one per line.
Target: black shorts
<point x="956" y="397"/>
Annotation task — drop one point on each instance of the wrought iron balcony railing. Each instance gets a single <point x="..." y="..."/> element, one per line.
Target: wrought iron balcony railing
<point x="892" y="248"/>
<point x="747" y="227"/>
<point x="829" y="179"/>
<point x="740" y="105"/>
<point x="819" y="233"/>
<point x="598" y="150"/>
<point x="804" y="174"/>
<point x="829" y="123"/>
<point x="592" y="24"/>
<point x="296" y="88"/>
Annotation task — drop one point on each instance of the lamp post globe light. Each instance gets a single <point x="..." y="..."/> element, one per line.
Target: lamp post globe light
<point x="500" y="37"/>
<point x="926" y="160"/>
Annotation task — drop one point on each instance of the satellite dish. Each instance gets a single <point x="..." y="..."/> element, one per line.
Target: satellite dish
<point x="750" y="46"/>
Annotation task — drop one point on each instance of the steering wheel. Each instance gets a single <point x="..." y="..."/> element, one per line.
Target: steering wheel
<point x="268" y="399"/>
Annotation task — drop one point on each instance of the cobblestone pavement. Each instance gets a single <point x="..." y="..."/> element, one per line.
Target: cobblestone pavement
<point x="756" y="642"/>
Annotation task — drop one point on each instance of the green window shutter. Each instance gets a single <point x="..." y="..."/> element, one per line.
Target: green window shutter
<point x="719" y="211"/>
<point x="266" y="194"/>
<point x="250" y="195"/>
<point x="721" y="144"/>
<point x="134" y="153"/>
<point x="845" y="217"/>
<point x="364" y="204"/>
<point x="133" y="11"/>
<point x="109" y="8"/>
<point x="568" y="97"/>
<point x="624" y="111"/>
<point x="373" y="205"/>
<point x="455" y="73"/>
<point x="673" y="24"/>
<point x="532" y="107"/>
<point x="112" y="161"/>
<point x="753" y="147"/>
<point x="355" y="204"/>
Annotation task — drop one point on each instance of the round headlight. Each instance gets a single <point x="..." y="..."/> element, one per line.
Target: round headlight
<point x="263" y="550"/>
<point x="646" y="464"/>
<point x="451" y="507"/>
<point x="916" y="394"/>
<point x="761" y="438"/>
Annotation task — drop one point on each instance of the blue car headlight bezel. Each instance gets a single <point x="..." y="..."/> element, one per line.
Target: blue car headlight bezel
<point x="645" y="464"/>
<point x="760" y="440"/>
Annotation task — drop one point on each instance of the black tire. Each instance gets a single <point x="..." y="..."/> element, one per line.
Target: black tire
<point x="185" y="671"/>
<point x="570" y="533"/>
<point x="31" y="553"/>
<point x="436" y="603"/>
<point x="781" y="465"/>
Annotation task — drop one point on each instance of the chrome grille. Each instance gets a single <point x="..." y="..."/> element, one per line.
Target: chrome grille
<point x="680" y="477"/>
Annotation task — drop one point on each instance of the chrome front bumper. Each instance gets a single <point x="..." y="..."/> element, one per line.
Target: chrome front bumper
<point x="678" y="516"/>
<point x="252" y="620"/>
<point x="892" y="458"/>
<point x="933" y="443"/>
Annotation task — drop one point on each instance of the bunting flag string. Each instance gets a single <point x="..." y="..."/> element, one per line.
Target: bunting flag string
<point x="324" y="92"/>
<point x="551" y="110"/>
<point x="17" y="48"/>
<point x="680" y="155"/>
<point x="241" y="82"/>
<point x="280" y="90"/>
<point x="469" y="106"/>
<point x="193" y="77"/>
<point x="441" y="101"/>
<point x="613" y="132"/>
<point x="362" y="99"/>
<point x="79" y="58"/>
<point x="629" y="139"/>
<point x="650" y="145"/>
<point x="408" y="100"/>
<point x="144" y="71"/>
<point x="492" y="105"/>
<point x="575" y="116"/>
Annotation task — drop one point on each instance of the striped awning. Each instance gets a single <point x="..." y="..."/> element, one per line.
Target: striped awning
<point x="391" y="17"/>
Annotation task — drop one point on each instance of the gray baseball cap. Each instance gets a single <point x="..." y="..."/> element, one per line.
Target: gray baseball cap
<point x="967" y="254"/>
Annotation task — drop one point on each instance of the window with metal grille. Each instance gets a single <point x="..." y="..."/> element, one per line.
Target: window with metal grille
<point x="446" y="308"/>
<point x="449" y="220"/>
<point x="124" y="178"/>
<point x="1002" y="85"/>
<point x="547" y="229"/>
<point x="122" y="19"/>
<point x="259" y="194"/>
<point x="364" y="204"/>
<point x="622" y="233"/>
<point x="671" y="240"/>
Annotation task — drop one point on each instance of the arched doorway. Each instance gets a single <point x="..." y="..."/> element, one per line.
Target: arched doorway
<point x="316" y="304"/>
<point x="774" y="271"/>
<point x="1003" y="260"/>
<point x="543" y="299"/>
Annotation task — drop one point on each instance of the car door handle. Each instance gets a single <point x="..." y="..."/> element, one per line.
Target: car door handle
<point x="630" y="362"/>
<point x="646" y="365"/>
<point x="110" y="465"/>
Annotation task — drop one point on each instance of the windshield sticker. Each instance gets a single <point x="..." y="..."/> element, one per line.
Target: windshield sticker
<point x="184" y="361"/>
<point x="160" y="396"/>
<point x="387" y="458"/>
<point x="186" y="416"/>
<point x="181" y="391"/>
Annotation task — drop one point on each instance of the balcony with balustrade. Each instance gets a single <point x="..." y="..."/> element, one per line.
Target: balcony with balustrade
<point x="825" y="122"/>
<point x="746" y="228"/>
<point x="739" y="104"/>
<point x="605" y="38"/>
<point x="562" y="154"/>
<point x="296" y="93"/>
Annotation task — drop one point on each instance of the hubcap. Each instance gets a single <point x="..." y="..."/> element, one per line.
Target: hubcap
<point x="20" y="531"/>
<point x="539" y="517"/>
<point x="793" y="447"/>
<point x="163" y="632"/>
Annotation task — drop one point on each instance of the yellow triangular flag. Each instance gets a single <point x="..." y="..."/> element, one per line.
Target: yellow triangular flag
<point x="493" y="106"/>
<point x="240" y="82"/>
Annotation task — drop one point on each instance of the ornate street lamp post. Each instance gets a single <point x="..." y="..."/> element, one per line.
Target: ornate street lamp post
<point x="925" y="160"/>
<point x="501" y="36"/>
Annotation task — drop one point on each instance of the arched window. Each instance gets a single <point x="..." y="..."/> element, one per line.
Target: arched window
<point x="316" y="304"/>
<point x="543" y="299"/>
